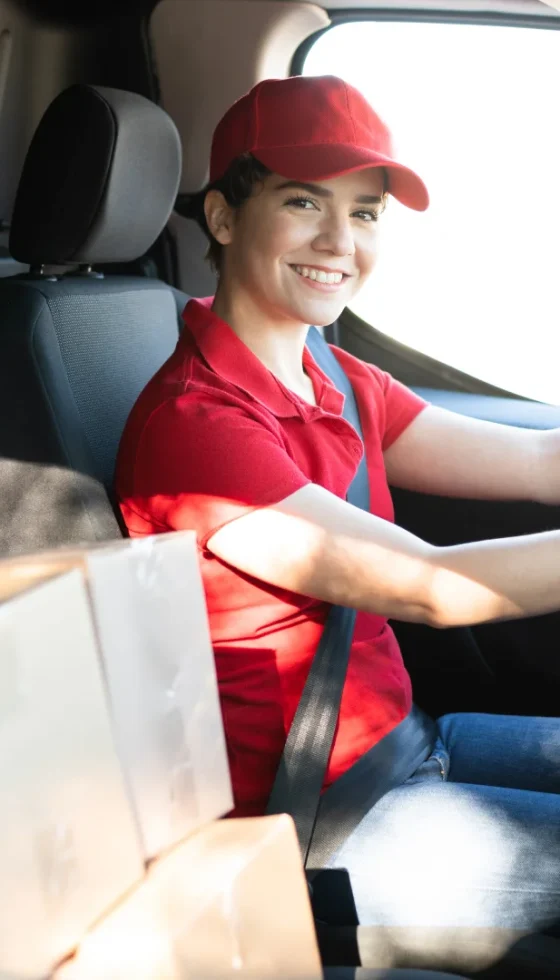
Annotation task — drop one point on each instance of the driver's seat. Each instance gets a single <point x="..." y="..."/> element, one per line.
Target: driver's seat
<point x="76" y="348"/>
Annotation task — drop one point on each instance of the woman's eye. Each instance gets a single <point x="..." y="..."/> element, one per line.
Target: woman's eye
<point x="367" y="215"/>
<point x="308" y="204"/>
<point x="303" y="203"/>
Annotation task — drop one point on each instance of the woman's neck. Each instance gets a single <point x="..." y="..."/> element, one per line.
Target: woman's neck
<point x="277" y="344"/>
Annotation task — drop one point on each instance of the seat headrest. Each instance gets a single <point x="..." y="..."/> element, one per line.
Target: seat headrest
<point x="99" y="180"/>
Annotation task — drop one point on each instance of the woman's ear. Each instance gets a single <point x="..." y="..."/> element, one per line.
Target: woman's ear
<point x="219" y="217"/>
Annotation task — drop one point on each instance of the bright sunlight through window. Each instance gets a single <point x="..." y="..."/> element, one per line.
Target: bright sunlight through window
<point x="474" y="281"/>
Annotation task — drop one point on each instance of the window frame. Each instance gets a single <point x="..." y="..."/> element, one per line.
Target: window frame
<point x="445" y="16"/>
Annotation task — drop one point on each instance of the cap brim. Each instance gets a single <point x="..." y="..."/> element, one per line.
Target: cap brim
<point x="323" y="161"/>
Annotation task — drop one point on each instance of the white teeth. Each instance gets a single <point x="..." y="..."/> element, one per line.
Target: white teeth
<point x="319" y="275"/>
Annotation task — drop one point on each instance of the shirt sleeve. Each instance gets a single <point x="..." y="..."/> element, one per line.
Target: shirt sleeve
<point x="393" y="406"/>
<point x="201" y="463"/>
<point x="401" y="406"/>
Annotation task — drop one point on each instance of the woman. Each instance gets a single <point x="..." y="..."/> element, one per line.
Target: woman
<point x="240" y="436"/>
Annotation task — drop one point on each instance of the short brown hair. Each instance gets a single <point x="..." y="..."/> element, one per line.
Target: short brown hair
<point x="237" y="187"/>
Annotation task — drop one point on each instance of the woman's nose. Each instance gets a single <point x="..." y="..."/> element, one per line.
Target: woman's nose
<point x="337" y="237"/>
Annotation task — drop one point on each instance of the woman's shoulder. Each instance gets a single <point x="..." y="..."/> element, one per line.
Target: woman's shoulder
<point x="376" y="380"/>
<point x="391" y="403"/>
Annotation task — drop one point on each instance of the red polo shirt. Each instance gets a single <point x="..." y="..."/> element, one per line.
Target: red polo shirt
<point x="215" y="435"/>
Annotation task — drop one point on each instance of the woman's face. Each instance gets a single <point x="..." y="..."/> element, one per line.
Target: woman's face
<point x="300" y="252"/>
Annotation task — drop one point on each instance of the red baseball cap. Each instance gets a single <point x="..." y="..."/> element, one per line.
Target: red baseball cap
<point x="311" y="127"/>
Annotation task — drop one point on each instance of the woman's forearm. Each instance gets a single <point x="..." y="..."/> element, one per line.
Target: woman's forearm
<point x="488" y="580"/>
<point x="316" y="544"/>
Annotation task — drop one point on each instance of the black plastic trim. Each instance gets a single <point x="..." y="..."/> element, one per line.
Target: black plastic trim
<point x="408" y="364"/>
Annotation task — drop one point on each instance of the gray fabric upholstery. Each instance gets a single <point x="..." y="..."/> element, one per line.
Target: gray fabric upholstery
<point x="127" y="329"/>
<point x="99" y="180"/>
<point x="44" y="506"/>
<point x="98" y="185"/>
<point x="74" y="355"/>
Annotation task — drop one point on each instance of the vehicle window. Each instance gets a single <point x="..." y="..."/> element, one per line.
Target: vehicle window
<point x="473" y="281"/>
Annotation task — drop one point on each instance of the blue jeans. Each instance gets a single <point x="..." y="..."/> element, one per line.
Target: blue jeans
<point x="467" y="851"/>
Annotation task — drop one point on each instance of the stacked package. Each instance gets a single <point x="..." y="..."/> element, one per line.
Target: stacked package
<point x="114" y="772"/>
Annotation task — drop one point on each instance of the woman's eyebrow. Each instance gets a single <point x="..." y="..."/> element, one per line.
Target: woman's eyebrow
<point x="323" y="192"/>
<point x="310" y="188"/>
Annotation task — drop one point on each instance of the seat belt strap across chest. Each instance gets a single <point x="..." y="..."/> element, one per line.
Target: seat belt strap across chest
<point x="301" y="772"/>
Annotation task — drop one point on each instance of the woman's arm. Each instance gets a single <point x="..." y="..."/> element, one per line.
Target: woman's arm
<point x="452" y="455"/>
<point x="316" y="544"/>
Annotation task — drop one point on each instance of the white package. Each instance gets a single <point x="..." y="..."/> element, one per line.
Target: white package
<point x="69" y="846"/>
<point x="150" y="612"/>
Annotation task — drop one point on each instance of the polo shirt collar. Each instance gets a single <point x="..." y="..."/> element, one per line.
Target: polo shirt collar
<point x="233" y="361"/>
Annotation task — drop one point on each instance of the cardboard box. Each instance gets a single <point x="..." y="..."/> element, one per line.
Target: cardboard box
<point x="230" y="902"/>
<point x="69" y="846"/>
<point x="149" y="610"/>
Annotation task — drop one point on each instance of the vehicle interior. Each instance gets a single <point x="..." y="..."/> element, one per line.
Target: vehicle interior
<point x="97" y="260"/>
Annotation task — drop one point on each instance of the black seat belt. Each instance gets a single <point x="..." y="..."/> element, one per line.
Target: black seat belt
<point x="301" y="772"/>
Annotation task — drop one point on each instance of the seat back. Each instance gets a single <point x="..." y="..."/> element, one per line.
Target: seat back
<point x="76" y="349"/>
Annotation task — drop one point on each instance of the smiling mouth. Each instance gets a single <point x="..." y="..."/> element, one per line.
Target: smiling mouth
<point x="320" y="276"/>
